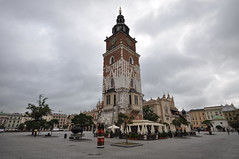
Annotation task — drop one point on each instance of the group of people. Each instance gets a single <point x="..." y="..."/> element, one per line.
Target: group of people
<point x="228" y="130"/>
<point x="232" y="130"/>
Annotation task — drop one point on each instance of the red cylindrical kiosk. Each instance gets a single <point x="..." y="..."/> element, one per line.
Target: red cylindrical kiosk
<point x="100" y="137"/>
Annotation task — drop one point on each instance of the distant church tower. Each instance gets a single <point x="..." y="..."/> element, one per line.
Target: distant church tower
<point x="121" y="75"/>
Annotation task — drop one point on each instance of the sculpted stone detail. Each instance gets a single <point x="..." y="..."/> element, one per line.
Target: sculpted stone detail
<point x="121" y="87"/>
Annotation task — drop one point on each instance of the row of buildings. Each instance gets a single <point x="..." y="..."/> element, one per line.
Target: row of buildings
<point x="12" y="121"/>
<point x="164" y="107"/>
<point x="219" y="116"/>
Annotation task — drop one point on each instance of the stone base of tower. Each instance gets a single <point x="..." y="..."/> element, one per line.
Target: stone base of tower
<point x="108" y="118"/>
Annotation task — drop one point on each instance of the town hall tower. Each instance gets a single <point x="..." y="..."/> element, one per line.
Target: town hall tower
<point x="121" y="75"/>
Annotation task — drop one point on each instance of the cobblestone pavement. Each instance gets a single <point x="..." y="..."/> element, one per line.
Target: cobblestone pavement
<point x="24" y="146"/>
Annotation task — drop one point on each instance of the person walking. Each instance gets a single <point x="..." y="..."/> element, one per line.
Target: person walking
<point x="199" y="130"/>
<point x="228" y="131"/>
<point x="238" y="131"/>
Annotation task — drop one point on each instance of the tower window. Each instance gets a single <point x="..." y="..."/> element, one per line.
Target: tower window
<point x="114" y="99"/>
<point x="131" y="61"/>
<point x="112" y="60"/>
<point x="112" y="83"/>
<point x="130" y="101"/>
<point x="136" y="100"/>
<point x="166" y="110"/>
<point x="108" y="99"/>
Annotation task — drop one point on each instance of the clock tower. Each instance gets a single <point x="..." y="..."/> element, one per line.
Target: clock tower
<point x="121" y="75"/>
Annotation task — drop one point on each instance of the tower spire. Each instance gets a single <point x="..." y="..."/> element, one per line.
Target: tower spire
<point x="120" y="11"/>
<point x="120" y="25"/>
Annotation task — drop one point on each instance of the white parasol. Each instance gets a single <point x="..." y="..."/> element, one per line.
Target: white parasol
<point x="138" y="129"/>
<point x="152" y="129"/>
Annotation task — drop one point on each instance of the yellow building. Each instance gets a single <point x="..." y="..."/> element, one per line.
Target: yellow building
<point x="197" y="117"/>
<point x="164" y="107"/>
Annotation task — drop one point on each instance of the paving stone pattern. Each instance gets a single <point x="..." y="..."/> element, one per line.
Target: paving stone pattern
<point x="24" y="146"/>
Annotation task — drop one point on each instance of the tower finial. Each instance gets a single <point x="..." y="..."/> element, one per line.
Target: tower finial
<point x="120" y="11"/>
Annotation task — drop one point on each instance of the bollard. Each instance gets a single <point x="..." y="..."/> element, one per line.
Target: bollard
<point x="65" y="136"/>
<point x="100" y="138"/>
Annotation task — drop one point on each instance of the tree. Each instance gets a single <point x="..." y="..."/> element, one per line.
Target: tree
<point x="51" y="124"/>
<point x="124" y="119"/>
<point x="83" y="120"/>
<point x="209" y="125"/>
<point x="178" y="121"/>
<point x="21" y="127"/>
<point x="148" y="114"/>
<point x="37" y="113"/>
<point x="234" y="124"/>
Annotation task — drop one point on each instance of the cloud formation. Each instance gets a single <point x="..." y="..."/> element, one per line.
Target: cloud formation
<point x="188" y="49"/>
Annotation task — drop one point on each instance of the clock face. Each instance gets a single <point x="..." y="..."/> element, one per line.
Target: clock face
<point x="128" y="41"/>
<point x="113" y="41"/>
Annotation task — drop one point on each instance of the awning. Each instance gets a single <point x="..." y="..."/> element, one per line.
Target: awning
<point x="113" y="127"/>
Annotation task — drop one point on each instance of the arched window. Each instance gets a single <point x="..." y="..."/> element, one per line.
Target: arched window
<point x="131" y="61"/>
<point x="112" y="60"/>
<point x="112" y="83"/>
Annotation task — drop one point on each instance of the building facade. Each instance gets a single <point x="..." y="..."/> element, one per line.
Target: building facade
<point x="10" y="121"/>
<point x="230" y="112"/>
<point x="121" y="75"/>
<point x="213" y="112"/>
<point x="197" y="117"/>
<point x="164" y="107"/>
<point x="62" y="119"/>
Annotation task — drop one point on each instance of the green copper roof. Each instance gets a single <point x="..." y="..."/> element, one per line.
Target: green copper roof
<point x="217" y="117"/>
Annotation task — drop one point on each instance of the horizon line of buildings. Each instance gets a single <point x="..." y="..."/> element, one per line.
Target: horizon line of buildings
<point x="164" y="107"/>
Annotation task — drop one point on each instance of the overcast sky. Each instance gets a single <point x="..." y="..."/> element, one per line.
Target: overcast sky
<point x="188" y="48"/>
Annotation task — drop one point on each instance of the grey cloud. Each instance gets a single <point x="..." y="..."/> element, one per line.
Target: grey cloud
<point x="55" y="48"/>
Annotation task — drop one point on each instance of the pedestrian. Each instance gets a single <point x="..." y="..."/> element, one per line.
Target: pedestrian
<point x="199" y="130"/>
<point x="35" y="132"/>
<point x="238" y="131"/>
<point x="228" y="131"/>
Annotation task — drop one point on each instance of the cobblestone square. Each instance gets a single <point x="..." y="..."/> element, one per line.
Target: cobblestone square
<point x="23" y="146"/>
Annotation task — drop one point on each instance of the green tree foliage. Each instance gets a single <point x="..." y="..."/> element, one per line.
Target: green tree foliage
<point x="234" y="124"/>
<point x="51" y="124"/>
<point x="121" y="118"/>
<point x="209" y="125"/>
<point x="178" y="121"/>
<point x="124" y="119"/>
<point x="33" y="124"/>
<point x="149" y="114"/>
<point x="65" y="126"/>
<point x="82" y="119"/>
<point x="37" y="112"/>
<point x="21" y="127"/>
